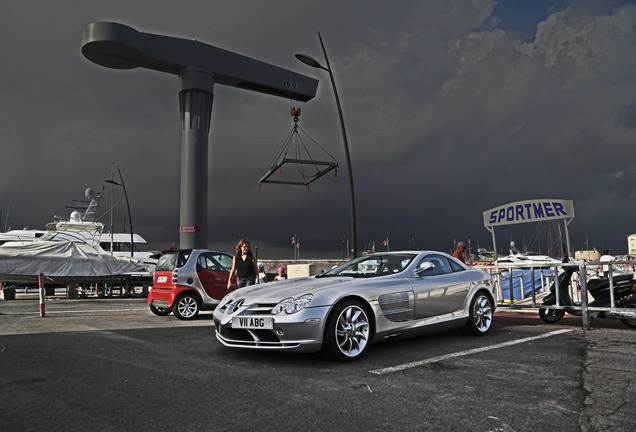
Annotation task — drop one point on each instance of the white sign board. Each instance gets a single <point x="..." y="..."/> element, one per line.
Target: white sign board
<point x="536" y="210"/>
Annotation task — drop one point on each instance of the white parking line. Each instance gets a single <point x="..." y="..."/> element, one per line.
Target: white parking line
<point x="464" y="353"/>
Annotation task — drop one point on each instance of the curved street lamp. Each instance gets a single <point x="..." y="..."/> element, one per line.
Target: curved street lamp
<point x="132" y="251"/>
<point x="315" y="64"/>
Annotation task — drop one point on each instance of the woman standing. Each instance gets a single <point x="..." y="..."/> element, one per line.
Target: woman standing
<point x="245" y="265"/>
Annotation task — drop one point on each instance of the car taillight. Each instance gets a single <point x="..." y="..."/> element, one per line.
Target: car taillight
<point x="175" y="273"/>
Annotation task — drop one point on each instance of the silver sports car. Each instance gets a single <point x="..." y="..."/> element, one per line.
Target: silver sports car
<point x="368" y="299"/>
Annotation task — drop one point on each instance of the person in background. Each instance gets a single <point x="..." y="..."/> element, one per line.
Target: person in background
<point x="605" y="268"/>
<point x="262" y="276"/>
<point x="459" y="252"/>
<point x="281" y="274"/>
<point x="244" y="263"/>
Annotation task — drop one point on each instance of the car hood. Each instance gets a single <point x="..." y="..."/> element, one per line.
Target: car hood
<point x="273" y="292"/>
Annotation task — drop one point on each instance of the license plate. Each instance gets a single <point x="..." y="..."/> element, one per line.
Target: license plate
<point x="253" y="323"/>
<point x="162" y="279"/>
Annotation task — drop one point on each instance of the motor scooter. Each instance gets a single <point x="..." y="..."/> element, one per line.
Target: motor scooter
<point x="599" y="290"/>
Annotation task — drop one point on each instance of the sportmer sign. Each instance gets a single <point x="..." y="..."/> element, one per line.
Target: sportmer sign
<point x="537" y="210"/>
<point x="529" y="211"/>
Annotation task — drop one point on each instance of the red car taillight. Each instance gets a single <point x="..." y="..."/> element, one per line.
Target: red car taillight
<point x="175" y="273"/>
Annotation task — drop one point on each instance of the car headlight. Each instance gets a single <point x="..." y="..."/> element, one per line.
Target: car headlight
<point x="291" y="305"/>
<point x="299" y="304"/>
<point x="282" y="306"/>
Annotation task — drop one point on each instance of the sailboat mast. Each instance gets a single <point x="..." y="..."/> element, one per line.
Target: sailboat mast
<point x="550" y="233"/>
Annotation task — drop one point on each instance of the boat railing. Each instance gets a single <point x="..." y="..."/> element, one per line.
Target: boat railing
<point x="517" y="283"/>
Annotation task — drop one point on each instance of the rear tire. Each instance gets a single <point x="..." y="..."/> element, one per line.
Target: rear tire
<point x="347" y="332"/>
<point x="631" y="323"/>
<point x="160" y="311"/>
<point x="551" y="316"/>
<point x="480" y="317"/>
<point x="186" y="307"/>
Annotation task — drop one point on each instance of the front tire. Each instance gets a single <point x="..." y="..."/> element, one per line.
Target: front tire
<point x="160" y="311"/>
<point x="551" y="316"/>
<point x="480" y="317"/>
<point x="347" y="332"/>
<point x="186" y="307"/>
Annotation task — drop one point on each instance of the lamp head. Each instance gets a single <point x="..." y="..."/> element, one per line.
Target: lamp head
<point x="310" y="61"/>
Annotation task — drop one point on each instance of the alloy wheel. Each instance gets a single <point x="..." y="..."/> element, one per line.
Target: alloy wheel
<point x="187" y="307"/>
<point x="482" y="313"/>
<point x="352" y="331"/>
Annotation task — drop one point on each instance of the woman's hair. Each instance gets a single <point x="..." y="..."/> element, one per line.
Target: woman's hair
<point x="240" y="245"/>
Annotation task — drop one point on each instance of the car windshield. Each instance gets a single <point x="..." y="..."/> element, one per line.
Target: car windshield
<point x="372" y="266"/>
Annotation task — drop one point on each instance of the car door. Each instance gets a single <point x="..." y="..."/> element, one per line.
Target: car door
<point x="440" y="290"/>
<point x="213" y="274"/>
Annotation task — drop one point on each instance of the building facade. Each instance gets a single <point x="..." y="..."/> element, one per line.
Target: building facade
<point x="631" y="246"/>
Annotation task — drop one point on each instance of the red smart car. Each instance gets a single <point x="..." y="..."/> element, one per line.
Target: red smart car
<point x="190" y="280"/>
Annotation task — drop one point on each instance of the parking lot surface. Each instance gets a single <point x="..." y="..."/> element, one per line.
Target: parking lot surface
<point x="110" y="364"/>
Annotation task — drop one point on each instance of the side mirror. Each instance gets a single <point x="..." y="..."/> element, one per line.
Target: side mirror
<point x="424" y="267"/>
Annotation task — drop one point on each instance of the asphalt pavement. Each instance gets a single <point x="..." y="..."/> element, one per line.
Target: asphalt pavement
<point x="110" y="364"/>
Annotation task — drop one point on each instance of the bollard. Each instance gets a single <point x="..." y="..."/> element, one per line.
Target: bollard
<point x="41" y="286"/>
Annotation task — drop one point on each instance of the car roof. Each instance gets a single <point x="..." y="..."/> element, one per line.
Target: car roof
<point x="402" y="252"/>
<point x="194" y="250"/>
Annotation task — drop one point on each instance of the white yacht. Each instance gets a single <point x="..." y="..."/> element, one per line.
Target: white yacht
<point x="80" y="228"/>
<point x="25" y="235"/>
<point x="527" y="260"/>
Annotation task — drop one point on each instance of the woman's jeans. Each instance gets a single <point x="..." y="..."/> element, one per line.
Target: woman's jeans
<point x="245" y="281"/>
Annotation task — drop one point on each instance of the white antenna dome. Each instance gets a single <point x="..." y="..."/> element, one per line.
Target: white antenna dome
<point x="76" y="216"/>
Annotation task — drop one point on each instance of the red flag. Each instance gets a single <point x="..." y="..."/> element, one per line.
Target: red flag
<point x="292" y="240"/>
<point x="385" y="242"/>
<point x="298" y="245"/>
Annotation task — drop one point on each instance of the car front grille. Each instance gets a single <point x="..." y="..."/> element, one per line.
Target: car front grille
<point x="255" y="309"/>
<point x="250" y="336"/>
<point x="259" y="309"/>
<point x="243" y="338"/>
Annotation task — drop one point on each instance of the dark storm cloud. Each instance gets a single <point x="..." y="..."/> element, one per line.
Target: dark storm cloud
<point x="626" y="116"/>
<point x="450" y="110"/>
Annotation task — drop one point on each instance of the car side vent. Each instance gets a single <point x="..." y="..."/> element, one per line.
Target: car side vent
<point x="396" y="306"/>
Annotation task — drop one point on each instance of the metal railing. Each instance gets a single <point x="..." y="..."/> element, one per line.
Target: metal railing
<point x="523" y="286"/>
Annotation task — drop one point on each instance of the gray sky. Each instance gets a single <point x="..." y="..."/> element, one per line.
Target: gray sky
<point x="452" y="107"/>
